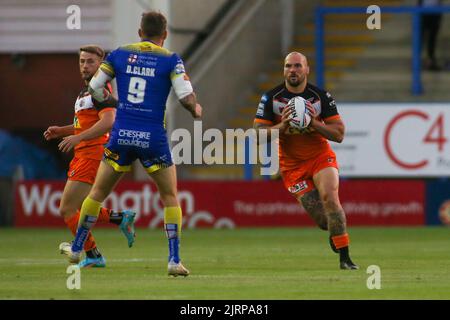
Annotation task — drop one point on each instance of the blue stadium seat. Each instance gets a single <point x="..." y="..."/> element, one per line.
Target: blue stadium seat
<point x="34" y="162"/>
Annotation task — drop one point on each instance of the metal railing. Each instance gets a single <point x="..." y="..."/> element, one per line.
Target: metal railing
<point x="416" y="12"/>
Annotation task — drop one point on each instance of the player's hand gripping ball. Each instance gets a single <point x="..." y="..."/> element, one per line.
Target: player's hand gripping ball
<point x="299" y="118"/>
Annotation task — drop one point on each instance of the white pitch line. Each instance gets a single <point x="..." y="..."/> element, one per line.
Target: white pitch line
<point x="24" y="262"/>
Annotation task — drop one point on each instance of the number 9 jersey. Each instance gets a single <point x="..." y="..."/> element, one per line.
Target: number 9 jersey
<point x="145" y="73"/>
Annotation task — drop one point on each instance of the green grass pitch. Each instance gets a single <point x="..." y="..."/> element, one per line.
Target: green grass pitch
<point x="282" y="263"/>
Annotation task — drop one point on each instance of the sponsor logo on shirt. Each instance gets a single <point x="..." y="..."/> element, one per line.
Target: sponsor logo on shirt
<point x="260" y="111"/>
<point x="132" y="58"/>
<point x="83" y="103"/>
<point x="179" y="69"/>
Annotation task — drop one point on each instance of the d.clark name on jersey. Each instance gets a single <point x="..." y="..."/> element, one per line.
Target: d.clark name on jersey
<point x="141" y="71"/>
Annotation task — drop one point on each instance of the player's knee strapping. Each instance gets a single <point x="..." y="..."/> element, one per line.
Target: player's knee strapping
<point x="172" y="222"/>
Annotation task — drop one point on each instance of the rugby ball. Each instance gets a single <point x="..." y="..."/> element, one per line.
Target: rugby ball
<point x="300" y="117"/>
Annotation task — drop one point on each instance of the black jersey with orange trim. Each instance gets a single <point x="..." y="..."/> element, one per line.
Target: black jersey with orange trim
<point x="297" y="146"/>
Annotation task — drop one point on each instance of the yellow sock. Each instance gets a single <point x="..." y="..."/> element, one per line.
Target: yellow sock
<point x="173" y="215"/>
<point x="90" y="208"/>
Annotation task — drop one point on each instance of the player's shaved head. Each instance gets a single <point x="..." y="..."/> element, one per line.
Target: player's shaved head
<point x="296" y="71"/>
<point x="297" y="56"/>
<point x="153" y="24"/>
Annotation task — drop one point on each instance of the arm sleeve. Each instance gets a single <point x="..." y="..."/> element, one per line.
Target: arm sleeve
<point x="264" y="113"/>
<point x="107" y="65"/>
<point x="97" y="85"/>
<point x="180" y="80"/>
<point x="328" y="106"/>
<point x="105" y="105"/>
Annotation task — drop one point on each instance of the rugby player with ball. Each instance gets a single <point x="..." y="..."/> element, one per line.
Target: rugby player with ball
<point x="307" y="118"/>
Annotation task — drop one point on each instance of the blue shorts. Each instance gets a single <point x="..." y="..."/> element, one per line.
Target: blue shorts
<point x="149" y="145"/>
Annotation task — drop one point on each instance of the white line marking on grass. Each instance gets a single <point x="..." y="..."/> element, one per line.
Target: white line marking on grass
<point x="25" y="262"/>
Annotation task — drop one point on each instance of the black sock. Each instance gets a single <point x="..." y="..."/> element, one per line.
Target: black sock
<point x="93" y="253"/>
<point x="343" y="254"/>
<point x="115" y="217"/>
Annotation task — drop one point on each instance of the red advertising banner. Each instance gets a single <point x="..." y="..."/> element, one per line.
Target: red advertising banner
<point x="383" y="202"/>
<point x="235" y="204"/>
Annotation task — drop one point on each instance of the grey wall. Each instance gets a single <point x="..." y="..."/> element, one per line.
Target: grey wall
<point x="190" y="15"/>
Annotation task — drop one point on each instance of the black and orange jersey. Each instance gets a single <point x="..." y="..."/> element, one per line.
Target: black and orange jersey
<point x="297" y="146"/>
<point x="87" y="112"/>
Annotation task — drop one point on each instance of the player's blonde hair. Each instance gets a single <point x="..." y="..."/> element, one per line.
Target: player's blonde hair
<point x="93" y="48"/>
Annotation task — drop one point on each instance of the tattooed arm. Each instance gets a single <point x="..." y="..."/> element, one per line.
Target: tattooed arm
<point x="189" y="102"/>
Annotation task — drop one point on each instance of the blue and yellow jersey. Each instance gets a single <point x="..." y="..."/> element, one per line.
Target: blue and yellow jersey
<point x="144" y="73"/>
